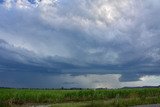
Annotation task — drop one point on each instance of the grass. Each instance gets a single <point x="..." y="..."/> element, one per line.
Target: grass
<point x="86" y="98"/>
<point x="110" y="103"/>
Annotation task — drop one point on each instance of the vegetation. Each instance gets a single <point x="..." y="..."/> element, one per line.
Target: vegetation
<point x="87" y="98"/>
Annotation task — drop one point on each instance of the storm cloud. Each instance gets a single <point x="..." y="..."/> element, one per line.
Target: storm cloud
<point x="81" y="37"/>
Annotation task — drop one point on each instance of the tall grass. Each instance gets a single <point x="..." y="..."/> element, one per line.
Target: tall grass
<point x="22" y="96"/>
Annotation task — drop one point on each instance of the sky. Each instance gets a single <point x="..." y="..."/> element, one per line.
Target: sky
<point x="79" y="43"/>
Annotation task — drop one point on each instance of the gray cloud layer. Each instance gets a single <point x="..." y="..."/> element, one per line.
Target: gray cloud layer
<point x="56" y="35"/>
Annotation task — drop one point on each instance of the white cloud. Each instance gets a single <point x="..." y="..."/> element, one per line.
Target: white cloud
<point x="22" y="4"/>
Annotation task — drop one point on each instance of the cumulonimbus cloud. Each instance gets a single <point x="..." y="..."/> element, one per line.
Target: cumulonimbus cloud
<point x="87" y="33"/>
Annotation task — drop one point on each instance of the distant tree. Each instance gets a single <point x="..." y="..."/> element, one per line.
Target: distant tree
<point x="62" y="88"/>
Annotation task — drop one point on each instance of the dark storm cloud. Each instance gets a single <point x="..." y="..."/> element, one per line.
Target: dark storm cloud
<point x="19" y="59"/>
<point x="80" y="37"/>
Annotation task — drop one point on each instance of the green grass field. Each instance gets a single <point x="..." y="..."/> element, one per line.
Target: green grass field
<point x="81" y="98"/>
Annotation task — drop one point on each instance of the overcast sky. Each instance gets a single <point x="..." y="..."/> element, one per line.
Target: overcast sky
<point x="77" y="38"/>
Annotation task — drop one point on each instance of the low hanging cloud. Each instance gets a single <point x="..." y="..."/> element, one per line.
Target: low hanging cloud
<point x="82" y="34"/>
